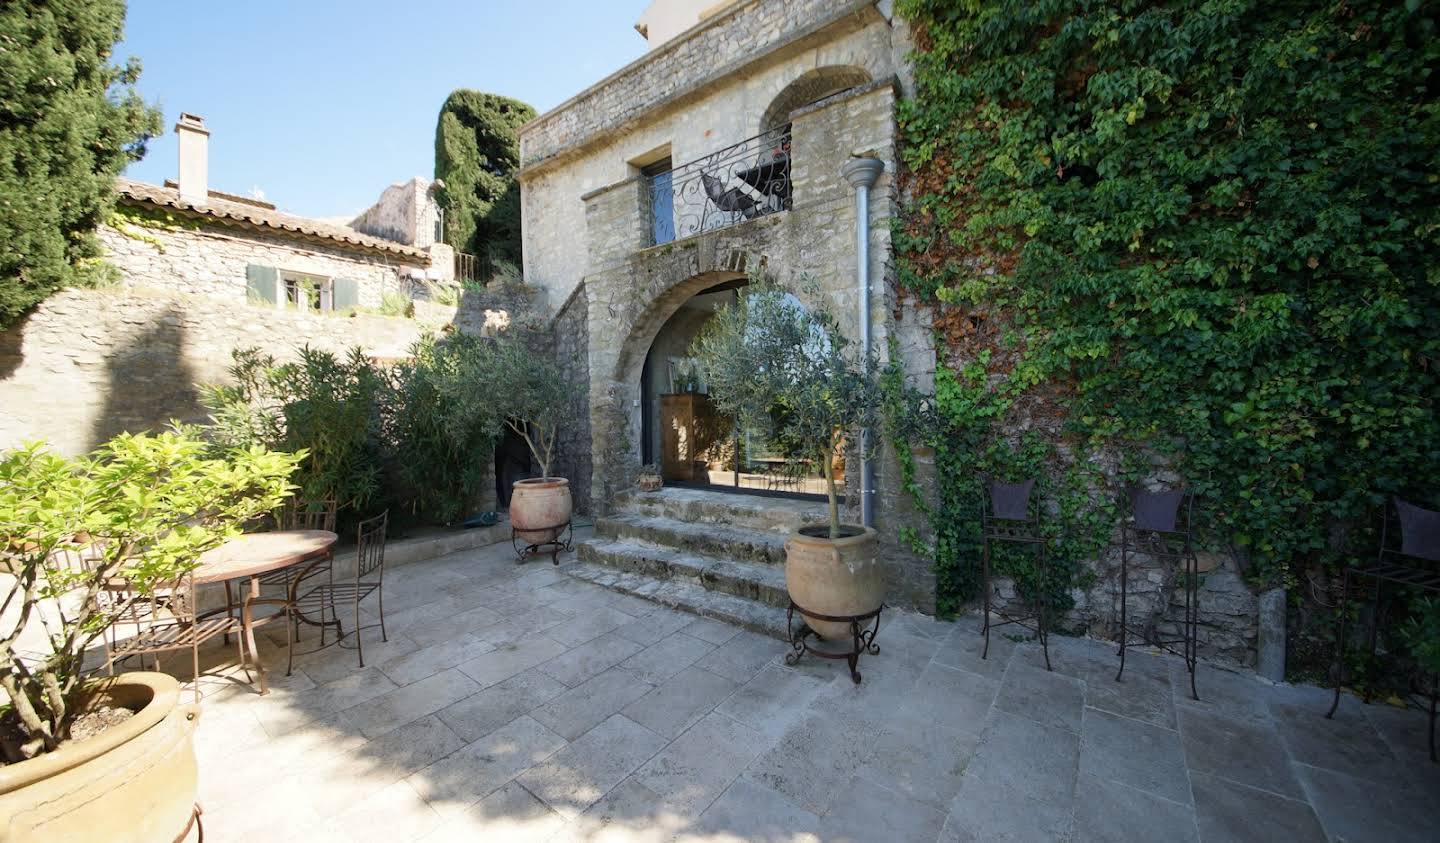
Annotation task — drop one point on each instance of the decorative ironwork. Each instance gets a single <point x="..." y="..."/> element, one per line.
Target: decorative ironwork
<point x="1414" y="563"/>
<point x="863" y="640"/>
<point x="741" y="182"/>
<point x="555" y="546"/>
<point x="1161" y="527"/>
<point x="1008" y="515"/>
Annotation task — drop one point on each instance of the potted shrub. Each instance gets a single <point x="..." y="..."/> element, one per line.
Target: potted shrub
<point x="531" y="396"/>
<point x="108" y="759"/>
<point x="775" y="365"/>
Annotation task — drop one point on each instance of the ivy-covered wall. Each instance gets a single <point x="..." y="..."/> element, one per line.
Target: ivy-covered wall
<point x="1181" y="243"/>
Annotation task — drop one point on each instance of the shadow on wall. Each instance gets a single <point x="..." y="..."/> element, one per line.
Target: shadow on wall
<point x="12" y="352"/>
<point x="147" y="381"/>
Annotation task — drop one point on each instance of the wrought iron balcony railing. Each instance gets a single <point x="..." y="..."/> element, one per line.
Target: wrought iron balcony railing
<point x="747" y="180"/>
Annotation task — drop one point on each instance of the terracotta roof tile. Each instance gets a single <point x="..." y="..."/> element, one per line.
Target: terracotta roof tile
<point x="226" y="210"/>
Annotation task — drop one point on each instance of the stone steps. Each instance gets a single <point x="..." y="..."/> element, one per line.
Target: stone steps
<point x="687" y="597"/>
<point x="758" y="581"/>
<point x="715" y="554"/>
<point x="717" y="540"/>
<point x="700" y="506"/>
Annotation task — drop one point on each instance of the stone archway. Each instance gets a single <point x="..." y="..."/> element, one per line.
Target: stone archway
<point x="811" y="87"/>
<point x="628" y="306"/>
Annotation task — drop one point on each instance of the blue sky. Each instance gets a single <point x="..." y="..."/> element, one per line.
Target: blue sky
<point x="322" y="103"/>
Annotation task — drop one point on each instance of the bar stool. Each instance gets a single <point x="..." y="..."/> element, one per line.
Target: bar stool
<point x="1161" y="526"/>
<point x="1411" y="564"/>
<point x="1009" y="516"/>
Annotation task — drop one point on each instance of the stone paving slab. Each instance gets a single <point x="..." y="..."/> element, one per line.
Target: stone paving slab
<point x="549" y="709"/>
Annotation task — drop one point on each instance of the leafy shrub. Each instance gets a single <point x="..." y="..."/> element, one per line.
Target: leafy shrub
<point x="141" y="507"/>
<point x="530" y="395"/>
<point x="1205" y="230"/>
<point x="327" y="406"/>
<point x="785" y="369"/>
<point x="445" y="423"/>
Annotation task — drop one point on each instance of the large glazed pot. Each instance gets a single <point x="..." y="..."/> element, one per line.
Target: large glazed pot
<point x="132" y="783"/>
<point x="540" y="508"/>
<point x="834" y="576"/>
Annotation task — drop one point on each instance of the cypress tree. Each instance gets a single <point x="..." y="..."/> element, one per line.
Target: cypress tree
<point x="69" y="123"/>
<point x="477" y="151"/>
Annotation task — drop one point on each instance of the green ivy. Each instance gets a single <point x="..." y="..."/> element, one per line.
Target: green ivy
<point x="1205" y="230"/>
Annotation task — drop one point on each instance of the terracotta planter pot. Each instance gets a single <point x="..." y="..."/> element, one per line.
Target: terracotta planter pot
<point x="133" y="783"/>
<point x="540" y="508"/>
<point x="834" y="576"/>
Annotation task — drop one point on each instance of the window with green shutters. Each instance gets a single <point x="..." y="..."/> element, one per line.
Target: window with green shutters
<point x="345" y="293"/>
<point x="261" y="283"/>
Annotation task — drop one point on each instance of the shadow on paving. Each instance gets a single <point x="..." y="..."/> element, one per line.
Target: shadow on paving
<point x="514" y="703"/>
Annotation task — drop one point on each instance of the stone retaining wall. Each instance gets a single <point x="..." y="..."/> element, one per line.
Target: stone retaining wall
<point x="88" y="364"/>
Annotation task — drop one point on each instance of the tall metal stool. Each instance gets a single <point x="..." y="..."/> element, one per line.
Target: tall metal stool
<point x="1161" y="526"/>
<point x="1413" y="564"/>
<point x="1009" y="516"/>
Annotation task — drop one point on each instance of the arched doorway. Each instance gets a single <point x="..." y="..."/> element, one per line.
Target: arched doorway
<point x="684" y="436"/>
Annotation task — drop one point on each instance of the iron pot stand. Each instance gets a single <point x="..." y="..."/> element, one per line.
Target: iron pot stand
<point x="862" y="640"/>
<point x="556" y="546"/>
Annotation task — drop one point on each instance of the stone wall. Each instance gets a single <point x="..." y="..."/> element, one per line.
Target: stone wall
<point x="569" y="331"/>
<point x="211" y="261"/>
<point x="743" y="75"/>
<point x="633" y="290"/>
<point x="88" y="364"/>
<point x="406" y="212"/>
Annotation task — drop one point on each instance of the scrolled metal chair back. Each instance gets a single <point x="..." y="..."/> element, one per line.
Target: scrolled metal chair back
<point x="370" y="545"/>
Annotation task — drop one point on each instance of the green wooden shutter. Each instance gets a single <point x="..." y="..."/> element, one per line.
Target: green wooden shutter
<point x="260" y="283"/>
<point x="346" y="293"/>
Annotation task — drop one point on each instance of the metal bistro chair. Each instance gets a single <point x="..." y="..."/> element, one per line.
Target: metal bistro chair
<point x="1161" y="526"/>
<point x="298" y="515"/>
<point x="369" y="576"/>
<point x="1412" y="564"/>
<point x="1008" y="515"/>
<point x="166" y="621"/>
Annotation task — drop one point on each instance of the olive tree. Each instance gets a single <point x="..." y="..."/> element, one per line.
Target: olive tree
<point x="778" y="366"/>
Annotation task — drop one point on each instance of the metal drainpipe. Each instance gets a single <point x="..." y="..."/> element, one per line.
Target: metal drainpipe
<point x="861" y="173"/>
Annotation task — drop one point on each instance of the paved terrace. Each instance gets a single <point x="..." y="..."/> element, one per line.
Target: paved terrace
<point x="516" y="704"/>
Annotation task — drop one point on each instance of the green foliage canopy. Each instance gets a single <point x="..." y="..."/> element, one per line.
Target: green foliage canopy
<point x="477" y="151"/>
<point x="142" y="508"/>
<point x="69" y="123"/>
<point x="774" y="365"/>
<point x="1211" y="228"/>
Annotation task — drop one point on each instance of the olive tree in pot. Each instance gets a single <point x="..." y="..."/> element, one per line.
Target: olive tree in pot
<point x="774" y="365"/>
<point x="106" y="759"/>
<point x="531" y="396"/>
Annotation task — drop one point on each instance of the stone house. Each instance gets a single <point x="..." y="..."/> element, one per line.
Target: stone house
<point x="752" y="135"/>
<point x="201" y="273"/>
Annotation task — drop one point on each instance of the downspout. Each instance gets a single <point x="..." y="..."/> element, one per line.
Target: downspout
<point x="862" y="173"/>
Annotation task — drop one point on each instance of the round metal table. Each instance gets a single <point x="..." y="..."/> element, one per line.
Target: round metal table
<point x="253" y="555"/>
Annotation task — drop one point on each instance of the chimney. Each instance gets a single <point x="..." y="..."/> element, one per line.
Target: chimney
<point x="194" y="158"/>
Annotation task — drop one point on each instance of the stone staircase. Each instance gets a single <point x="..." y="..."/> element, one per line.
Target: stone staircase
<point x="714" y="554"/>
